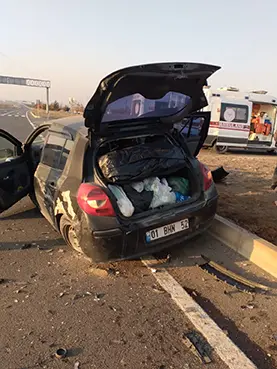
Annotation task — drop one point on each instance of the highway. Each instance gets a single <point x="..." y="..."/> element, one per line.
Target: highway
<point x="122" y="315"/>
<point x="17" y="120"/>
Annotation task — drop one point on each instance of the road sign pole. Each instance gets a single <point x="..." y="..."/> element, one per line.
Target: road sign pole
<point x="47" y="100"/>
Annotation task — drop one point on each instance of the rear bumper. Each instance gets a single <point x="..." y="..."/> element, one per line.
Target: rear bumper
<point x="118" y="243"/>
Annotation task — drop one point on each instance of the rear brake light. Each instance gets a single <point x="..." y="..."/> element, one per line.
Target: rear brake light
<point x="94" y="201"/>
<point x="207" y="176"/>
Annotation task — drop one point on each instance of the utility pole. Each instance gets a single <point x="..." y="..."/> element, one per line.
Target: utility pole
<point x="47" y="100"/>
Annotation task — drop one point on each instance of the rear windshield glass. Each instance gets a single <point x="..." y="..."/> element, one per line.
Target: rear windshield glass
<point x="137" y="106"/>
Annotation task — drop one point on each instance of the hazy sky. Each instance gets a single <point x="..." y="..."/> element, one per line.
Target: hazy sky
<point x="76" y="43"/>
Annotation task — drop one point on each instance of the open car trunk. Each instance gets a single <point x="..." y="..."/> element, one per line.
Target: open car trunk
<point x="146" y="174"/>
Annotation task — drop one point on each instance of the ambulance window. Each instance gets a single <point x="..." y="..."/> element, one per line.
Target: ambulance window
<point x="234" y="113"/>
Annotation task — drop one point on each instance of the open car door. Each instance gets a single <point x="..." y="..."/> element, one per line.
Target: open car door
<point x="15" y="177"/>
<point x="17" y="165"/>
<point x="194" y="130"/>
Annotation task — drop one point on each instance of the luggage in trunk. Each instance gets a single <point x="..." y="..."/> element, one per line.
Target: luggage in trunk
<point x="139" y="162"/>
<point x="146" y="173"/>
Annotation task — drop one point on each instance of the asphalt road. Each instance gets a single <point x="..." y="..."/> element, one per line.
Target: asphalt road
<point x="16" y="120"/>
<point x="116" y="316"/>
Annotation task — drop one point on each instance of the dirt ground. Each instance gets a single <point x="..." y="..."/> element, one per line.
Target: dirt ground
<point x="245" y="195"/>
<point x="5" y="105"/>
<point x="52" y="114"/>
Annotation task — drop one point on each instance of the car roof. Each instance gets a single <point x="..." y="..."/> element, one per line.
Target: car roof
<point x="73" y="125"/>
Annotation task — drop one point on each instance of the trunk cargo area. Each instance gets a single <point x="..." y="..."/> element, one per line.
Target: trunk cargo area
<point x="146" y="174"/>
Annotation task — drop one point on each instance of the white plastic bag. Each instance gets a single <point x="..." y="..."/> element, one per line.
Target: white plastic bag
<point x="138" y="186"/>
<point x="123" y="202"/>
<point x="149" y="183"/>
<point x="162" y="193"/>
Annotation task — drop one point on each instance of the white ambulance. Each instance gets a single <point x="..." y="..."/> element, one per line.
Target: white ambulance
<point x="241" y="120"/>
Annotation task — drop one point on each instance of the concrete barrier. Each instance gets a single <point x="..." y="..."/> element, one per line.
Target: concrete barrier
<point x="253" y="248"/>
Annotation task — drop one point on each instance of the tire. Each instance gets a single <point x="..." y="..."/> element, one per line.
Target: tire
<point x="220" y="149"/>
<point x="69" y="235"/>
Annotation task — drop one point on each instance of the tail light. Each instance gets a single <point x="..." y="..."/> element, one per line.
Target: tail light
<point x="207" y="176"/>
<point x="94" y="201"/>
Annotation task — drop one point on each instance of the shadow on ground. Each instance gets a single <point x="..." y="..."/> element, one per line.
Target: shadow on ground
<point x="26" y="214"/>
<point x="32" y="244"/>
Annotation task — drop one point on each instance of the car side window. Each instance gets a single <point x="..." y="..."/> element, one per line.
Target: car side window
<point x="8" y="150"/>
<point x="52" y="150"/>
<point x="56" y="151"/>
<point x="65" y="153"/>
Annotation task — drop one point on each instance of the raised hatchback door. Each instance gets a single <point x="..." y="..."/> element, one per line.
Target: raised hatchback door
<point x="146" y="95"/>
<point x="15" y="177"/>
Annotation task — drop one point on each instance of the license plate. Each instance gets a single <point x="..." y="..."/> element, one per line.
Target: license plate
<point x="167" y="230"/>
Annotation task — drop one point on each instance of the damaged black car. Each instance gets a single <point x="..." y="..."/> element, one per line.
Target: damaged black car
<point x="124" y="181"/>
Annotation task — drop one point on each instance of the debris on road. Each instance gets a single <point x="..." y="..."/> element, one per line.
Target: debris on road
<point x="20" y="289"/>
<point x="98" y="272"/>
<point x="77" y="365"/>
<point x="194" y="257"/>
<point x="81" y="295"/>
<point x="158" y="289"/>
<point x="231" y="278"/>
<point x="119" y="342"/>
<point x="61" y="353"/>
<point x="113" y="271"/>
<point x="99" y="296"/>
<point x="219" y="174"/>
<point x="248" y="306"/>
<point x="26" y="246"/>
<point x="3" y="280"/>
<point x="168" y="258"/>
<point x="199" y="346"/>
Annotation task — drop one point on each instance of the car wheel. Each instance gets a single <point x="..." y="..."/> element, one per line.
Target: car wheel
<point x="221" y="149"/>
<point x="68" y="232"/>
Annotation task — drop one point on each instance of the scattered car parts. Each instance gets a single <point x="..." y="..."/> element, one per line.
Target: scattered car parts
<point x="219" y="174"/>
<point x="199" y="346"/>
<point x="231" y="278"/>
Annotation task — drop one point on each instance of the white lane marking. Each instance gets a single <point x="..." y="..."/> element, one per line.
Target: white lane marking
<point x="29" y="120"/>
<point x="7" y="113"/>
<point x="22" y="115"/>
<point x="229" y="353"/>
